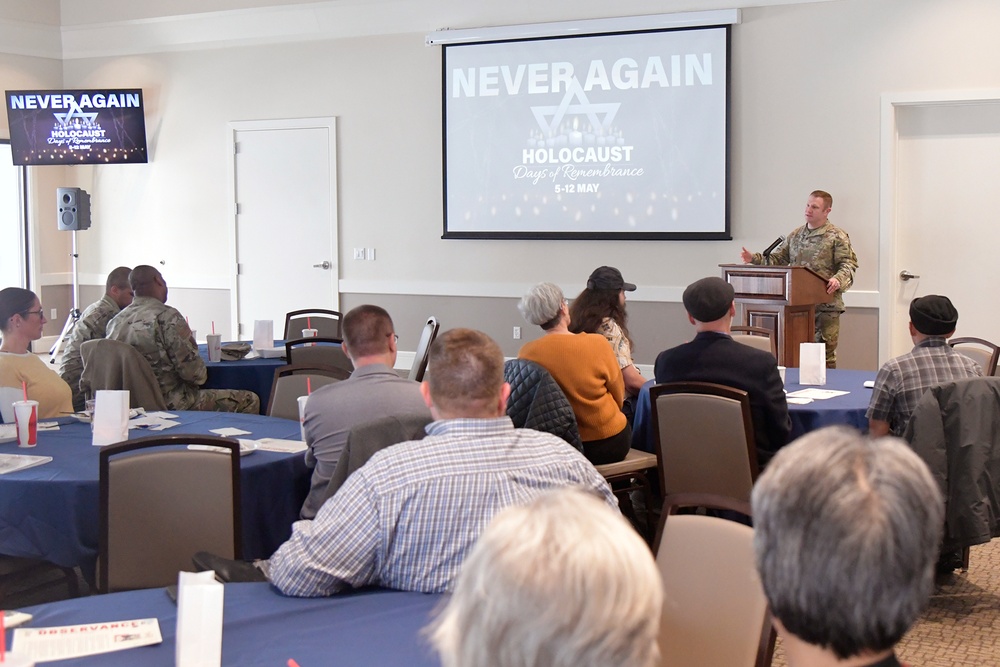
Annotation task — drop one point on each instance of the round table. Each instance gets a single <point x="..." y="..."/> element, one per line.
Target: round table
<point x="371" y="627"/>
<point x="51" y="511"/>
<point x="848" y="409"/>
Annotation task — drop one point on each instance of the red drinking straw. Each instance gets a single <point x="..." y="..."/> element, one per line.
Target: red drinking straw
<point x="213" y="327"/>
<point x="24" y="388"/>
<point x="309" y="386"/>
<point x="309" y="323"/>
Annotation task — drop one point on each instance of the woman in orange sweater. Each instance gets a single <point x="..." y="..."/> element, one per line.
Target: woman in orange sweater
<point x="586" y="369"/>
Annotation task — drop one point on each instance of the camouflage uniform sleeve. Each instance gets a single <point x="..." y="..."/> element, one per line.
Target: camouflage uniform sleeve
<point x="183" y="354"/>
<point x="845" y="262"/>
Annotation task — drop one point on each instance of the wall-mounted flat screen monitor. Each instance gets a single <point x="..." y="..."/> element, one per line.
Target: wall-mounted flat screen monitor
<point x="76" y="126"/>
<point x="608" y="136"/>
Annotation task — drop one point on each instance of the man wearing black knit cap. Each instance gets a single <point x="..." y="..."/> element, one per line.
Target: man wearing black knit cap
<point x="902" y="381"/>
<point x="713" y="356"/>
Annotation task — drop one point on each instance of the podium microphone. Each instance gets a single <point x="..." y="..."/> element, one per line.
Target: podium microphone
<point x="770" y="248"/>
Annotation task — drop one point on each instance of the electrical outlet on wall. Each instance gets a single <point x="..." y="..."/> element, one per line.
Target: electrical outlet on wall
<point x="54" y="314"/>
<point x="359" y="253"/>
<point x="517" y="333"/>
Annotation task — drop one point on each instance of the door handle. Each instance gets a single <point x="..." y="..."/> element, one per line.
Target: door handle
<point x="326" y="265"/>
<point x="905" y="275"/>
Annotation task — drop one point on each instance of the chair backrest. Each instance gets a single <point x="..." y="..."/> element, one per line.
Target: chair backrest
<point x="325" y="322"/>
<point x="704" y="438"/>
<point x="715" y="610"/>
<point x="112" y="364"/>
<point x="427" y="336"/>
<point x="364" y="440"/>
<point x="983" y="352"/>
<point x="536" y="401"/>
<point x="758" y="337"/>
<point x="160" y="503"/>
<point x="296" y="380"/>
<point x="318" y="352"/>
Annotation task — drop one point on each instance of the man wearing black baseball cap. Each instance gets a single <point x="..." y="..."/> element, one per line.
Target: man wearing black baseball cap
<point x="713" y="356"/>
<point x="902" y="381"/>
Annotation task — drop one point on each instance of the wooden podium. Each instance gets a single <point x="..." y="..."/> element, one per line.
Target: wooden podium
<point x="780" y="298"/>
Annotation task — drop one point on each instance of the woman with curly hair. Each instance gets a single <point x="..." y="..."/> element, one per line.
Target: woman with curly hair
<point x="600" y="308"/>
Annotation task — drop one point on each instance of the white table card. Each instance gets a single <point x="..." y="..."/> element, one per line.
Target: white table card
<point x="199" y="620"/>
<point x="110" y="420"/>
<point x="263" y="334"/>
<point x="812" y="363"/>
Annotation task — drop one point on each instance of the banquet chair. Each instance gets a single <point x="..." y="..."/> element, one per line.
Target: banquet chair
<point x="427" y="336"/>
<point x="318" y="352"/>
<point x="364" y="440"/>
<point x="296" y="380"/>
<point x="955" y="429"/>
<point x="325" y="322"/>
<point x="983" y="352"/>
<point x="704" y="439"/>
<point x="716" y="613"/>
<point x="28" y="576"/>
<point x="628" y="475"/>
<point x="111" y="364"/>
<point x="161" y="502"/>
<point x="758" y="337"/>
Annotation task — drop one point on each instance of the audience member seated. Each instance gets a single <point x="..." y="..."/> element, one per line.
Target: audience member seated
<point x="161" y="334"/>
<point x="584" y="366"/>
<point x="713" y="356"/>
<point x="408" y="517"/>
<point x="902" y="381"/>
<point x="21" y="321"/>
<point x="600" y="308"/>
<point x="374" y="390"/>
<point x="93" y="324"/>
<point x="846" y="535"/>
<point x="561" y="582"/>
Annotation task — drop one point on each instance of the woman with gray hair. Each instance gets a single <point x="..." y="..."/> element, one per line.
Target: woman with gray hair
<point x="846" y="534"/>
<point x="585" y="368"/>
<point x="561" y="582"/>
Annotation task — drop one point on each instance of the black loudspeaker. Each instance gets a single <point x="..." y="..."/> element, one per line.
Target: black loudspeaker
<point x="73" y="207"/>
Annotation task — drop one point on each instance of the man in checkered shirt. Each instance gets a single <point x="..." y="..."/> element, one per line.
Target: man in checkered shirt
<point x="408" y="517"/>
<point x="902" y="381"/>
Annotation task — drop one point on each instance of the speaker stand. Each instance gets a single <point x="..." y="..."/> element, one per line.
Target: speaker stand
<point x="74" y="313"/>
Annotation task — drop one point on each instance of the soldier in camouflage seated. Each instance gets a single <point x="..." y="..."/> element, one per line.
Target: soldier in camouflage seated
<point x="161" y="334"/>
<point x="826" y="250"/>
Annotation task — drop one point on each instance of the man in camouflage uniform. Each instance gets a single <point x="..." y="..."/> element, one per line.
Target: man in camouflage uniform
<point x="826" y="250"/>
<point x="93" y="324"/>
<point x="161" y="334"/>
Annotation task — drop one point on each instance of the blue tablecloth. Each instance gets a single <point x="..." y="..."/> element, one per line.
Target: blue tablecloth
<point x="848" y="409"/>
<point x="51" y="511"/>
<point x="255" y="375"/>
<point x="374" y="628"/>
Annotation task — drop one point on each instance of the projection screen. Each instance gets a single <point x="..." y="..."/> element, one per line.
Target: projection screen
<point x="615" y="136"/>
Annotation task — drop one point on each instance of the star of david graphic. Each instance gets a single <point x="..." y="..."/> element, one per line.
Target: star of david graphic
<point x="77" y="112"/>
<point x="583" y="107"/>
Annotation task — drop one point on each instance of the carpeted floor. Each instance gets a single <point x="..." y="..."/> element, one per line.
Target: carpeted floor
<point x="962" y="623"/>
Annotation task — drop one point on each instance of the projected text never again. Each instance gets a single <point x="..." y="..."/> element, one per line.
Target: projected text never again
<point x="624" y="74"/>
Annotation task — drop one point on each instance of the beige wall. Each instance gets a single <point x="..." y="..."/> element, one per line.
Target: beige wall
<point x="806" y="84"/>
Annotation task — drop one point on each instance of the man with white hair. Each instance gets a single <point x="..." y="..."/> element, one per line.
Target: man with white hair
<point x="846" y="534"/>
<point x="561" y="582"/>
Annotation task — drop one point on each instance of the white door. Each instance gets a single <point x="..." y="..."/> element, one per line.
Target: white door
<point x="284" y="184"/>
<point x="946" y="228"/>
